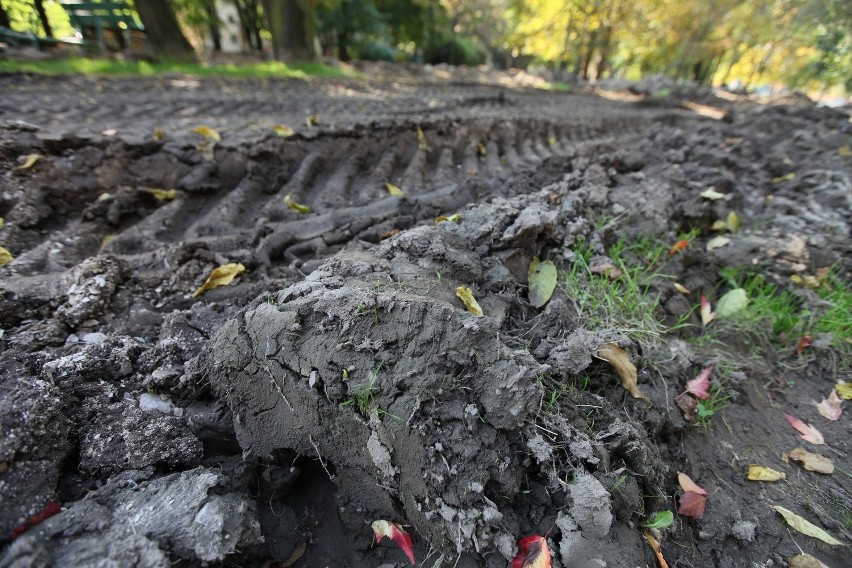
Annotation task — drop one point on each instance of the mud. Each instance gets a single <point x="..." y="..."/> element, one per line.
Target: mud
<point x="339" y="380"/>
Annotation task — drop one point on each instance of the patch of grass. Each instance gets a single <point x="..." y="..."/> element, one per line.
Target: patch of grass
<point x="92" y="66"/>
<point x="706" y="409"/>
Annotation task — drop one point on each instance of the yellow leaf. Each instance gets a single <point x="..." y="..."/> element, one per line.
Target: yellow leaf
<point x="29" y="162"/>
<point x="844" y="152"/>
<point x="105" y="196"/>
<point x="804" y="561"/>
<point x="542" y="281"/>
<point x="208" y="133"/>
<point x="806" y="527"/>
<point x="159" y="134"/>
<point x="2" y="222"/>
<point x="466" y="295"/>
<point x="620" y="361"/>
<point x="5" y="257"/>
<point x="162" y="194"/>
<point x="789" y="177"/>
<point x="394" y="190"/>
<point x="733" y="222"/>
<point x="455" y="218"/>
<point x="681" y="288"/>
<point x="808" y="281"/>
<point x="810" y="461"/>
<point x="761" y="473"/>
<point x="712" y="194"/>
<point x="719" y="225"/>
<point x="283" y="131"/>
<point x="717" y="242"/>
<point x="421" y="140"/>
<point x="480" y="149"/>
<point x="551" y="141"/>
<point x="221" y="276"/>
<point x="844" y="390"/>
<point x="107" y="240"/>
<point x="312" y="120"/>
<point x="297" y="207"/>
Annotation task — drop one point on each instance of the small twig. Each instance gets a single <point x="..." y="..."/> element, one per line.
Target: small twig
<point x="319" y="455"/>
<point x="278" y="388"/>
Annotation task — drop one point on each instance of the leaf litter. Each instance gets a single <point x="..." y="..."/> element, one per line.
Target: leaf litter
<point x="806" y="527"/>
<point x="620" y="361"/>
<point x="810" y="461"/>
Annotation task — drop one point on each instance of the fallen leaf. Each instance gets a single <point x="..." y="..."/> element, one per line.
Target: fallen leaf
<point x="699" y="385"/>
<point x="293" y="558"/>
<point x="692" y="504"/>
<point x="421" y="140"/>
<point x="806" y="280"/>
<point x="283" y="131"/>
<point x="707" y="313"/>
<point x="733" y="222"/>
<point x="717" y="243"/>
<point x="731" y="302"/>
<point x="844" y="152"/>
<point x="221" y="276"/>
<point x="788" y="177"/>
<point x="208" y="133"/>
<point x="542" y="281"/>
<point x="712" y="194"/>
<point x="607" y="269"/>
<point x="394" y="190"/>
<point x="104" y="196"/>
<point x="830" y="406"/>
<point x="312" y="120"/>
<point x="162" y="194"/>
<point x="394" y="532"/>
<point x="5" y="257"/>
<point x="804" y="342"/>
<point x="533" y="553"/>
<point x="107" y="240"/>
<point x="655" y="546"/>
<point x="844" y="390"/>
<point x="52" y="508"/>
<point x="687" y="404"/>
<point x="480" y="149"/>
<point x="808" y="432"/>
<point x="688" y="485"/>
<point x="620" y="361"/>
<point x="466" y="295"/>
<point x="109" y="132"/>
<point x="810" y="461"/>
<point x="761" y="473"/>
<point x="804" y="561"/>
<point x="681" y="288"/>
<point x="661" y="520"/>
<point x="806" y="527"/>
<point x="719" y="225"/>
<point x="2" y="222"/>
<point x="678" y="246"/>
<point x="297" y="207"/>
<point x="159" y="134"/>
<point x="455" y="218"/>
<point x="29" y="162"/>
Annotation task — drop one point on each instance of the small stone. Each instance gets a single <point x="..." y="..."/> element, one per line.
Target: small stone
<point x="744" y="530"/>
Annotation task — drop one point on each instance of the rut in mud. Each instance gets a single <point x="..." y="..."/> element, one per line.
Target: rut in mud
<point x="339" y="380"/>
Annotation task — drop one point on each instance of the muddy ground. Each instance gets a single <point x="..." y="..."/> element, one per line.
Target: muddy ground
<point x="339" y="380"/>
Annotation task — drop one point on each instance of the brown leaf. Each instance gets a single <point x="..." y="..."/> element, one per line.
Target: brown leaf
<point x="687" y="404"/>
<point x="620" y="361"/>
<point x="810" y="461"/>
<point x="655" y="546"/>
<point x="804" y="561"/>
<point x="830" y="406"/>
<point x="692" y="504"/>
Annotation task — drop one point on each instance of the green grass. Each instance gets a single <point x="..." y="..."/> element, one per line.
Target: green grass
<point x="91" y="66"/>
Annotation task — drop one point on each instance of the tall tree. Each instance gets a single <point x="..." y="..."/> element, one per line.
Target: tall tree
<point x="42" y="16"/>
<point x="291" y="25"/>
<point x="163" y="31"/>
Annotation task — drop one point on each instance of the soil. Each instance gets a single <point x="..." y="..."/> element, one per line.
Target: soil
<point x="339" y="380"/>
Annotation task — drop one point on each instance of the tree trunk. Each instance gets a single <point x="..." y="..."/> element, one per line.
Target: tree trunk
<point x="292" y="29"/>
<point x="4" y="18"/>
<point x="161" y="26"/>
<point x="213" y="18"/>
<point x="42" y="15"/>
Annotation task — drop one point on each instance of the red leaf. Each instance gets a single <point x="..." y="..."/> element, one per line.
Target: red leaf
<point x="678" y="246"/>
<point x="699" y="385"/>
<point x="808" y="432"/>
<point x="49" y="510"/>
<point x="804" y="341"/>
<point x="394" y="532"/>
<point x="692" y="504"/>
<point x="534" y="553"/>
<point x="707" y="313"/>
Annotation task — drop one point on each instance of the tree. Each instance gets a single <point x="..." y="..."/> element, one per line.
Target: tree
<point x="164" y="33"/>
<point x="291" y="25"/>
<point x="42" y="16"/>
<point x="4" y="18"/>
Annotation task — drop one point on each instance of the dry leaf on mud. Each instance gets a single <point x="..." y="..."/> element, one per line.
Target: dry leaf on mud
<point x="394" y="532"/>
<point x="480" y="149"/>
<point x="698" y="386"/>
<point x="162" y="194"/>
<point x="731" y="302"/>
<point x="620" y="361"/>
<point x="681" y="288"/>
<point x="655" y="546"/>
<point x="312" y="120"/>
<point x="707" y="313"/>
<point x="804" y="561"/>
<point x="688" y="485"/>
<point x="208" y="133"/>
<point x="687" y="405"/>
<point x="394" y="190"/>
<point x="607" y="269"/>
<point x="678" y="246"/>
<point x="221" y="276"/>
<point x="844" y="152"/>
<point x="159" y="134"/>
<point x="293" y="558"/>
<point x="107" y="240"/>
<point x="733" y="222"/>
<point x="421" y="140"/>
<point x="810" y="461"/>
<point x="788" y="177"/>
<point x="844" y="390"/>
<point x="466" y="295"/>
<point x="297" y="207"/>
<point x="830" y="406"/>
<point x="694" y="500"/>
<point x="808" y="432"/>
<point x="29" y="162"/>
<point x="5" y="257"/>
<point x="805" y="527"/>
<point x="762" y="473"/>
<point x="804" y="342"/>
<point x="712" y="194"/>
<point x="2" y="222"/>
<point x="283" y="131"/>
<point x="717" y="243"/>
<point x="533" y="553"/>
<point x="455" y="218"/>
<point x="542" y="281"/>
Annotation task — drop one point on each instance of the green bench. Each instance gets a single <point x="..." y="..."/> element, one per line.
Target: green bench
<point x="97" y="17"/>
